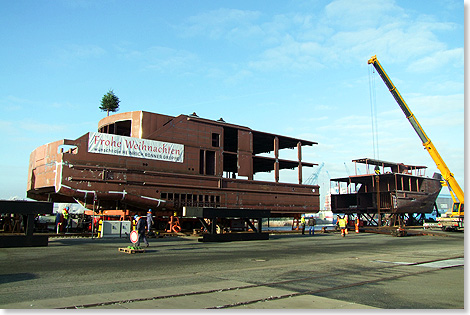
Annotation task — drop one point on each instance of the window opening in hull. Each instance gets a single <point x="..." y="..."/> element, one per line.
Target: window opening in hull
<point x="69" y="149"/>
<point x="120" y="128"/>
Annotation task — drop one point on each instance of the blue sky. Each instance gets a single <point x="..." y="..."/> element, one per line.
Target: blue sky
<point x="295" y="68"/>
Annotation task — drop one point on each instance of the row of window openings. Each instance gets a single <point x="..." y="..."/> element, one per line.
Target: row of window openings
<point x="403" y="184"/>
<point x="192" y="199"/>
<point x="123" y="128"/>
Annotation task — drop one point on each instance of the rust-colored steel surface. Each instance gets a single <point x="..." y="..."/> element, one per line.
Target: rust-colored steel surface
<point x="395" y="188"/>
<point x="139" y="160"/>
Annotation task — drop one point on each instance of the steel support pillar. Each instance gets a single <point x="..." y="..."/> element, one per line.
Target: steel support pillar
<point x="299" y="155"/>
<point x="276" y="162"/>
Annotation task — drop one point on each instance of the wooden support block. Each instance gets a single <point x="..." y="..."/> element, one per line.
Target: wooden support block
<point x="131" y="250"/>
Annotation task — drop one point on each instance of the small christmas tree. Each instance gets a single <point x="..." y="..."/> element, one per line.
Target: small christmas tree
<point x="110" y="102"/>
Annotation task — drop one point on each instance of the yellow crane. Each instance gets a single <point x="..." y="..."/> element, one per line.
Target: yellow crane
<point x="455" y="217"/>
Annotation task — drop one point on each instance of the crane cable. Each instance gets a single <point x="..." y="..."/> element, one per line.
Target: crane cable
<point x="373" y="113"/>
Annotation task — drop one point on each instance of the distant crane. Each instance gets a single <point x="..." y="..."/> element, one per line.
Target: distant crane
<point x="313" y="179"/>
<point x="327" y="199"/>
<point x="349" y="174"/>
<point x="347" y="169"/>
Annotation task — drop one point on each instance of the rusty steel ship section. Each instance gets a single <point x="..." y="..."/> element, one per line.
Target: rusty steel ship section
<point x="391" y="188"/>
<point x="139" y="160"/>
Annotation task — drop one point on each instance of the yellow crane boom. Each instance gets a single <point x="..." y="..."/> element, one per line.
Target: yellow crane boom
<point x="441" y="165"/>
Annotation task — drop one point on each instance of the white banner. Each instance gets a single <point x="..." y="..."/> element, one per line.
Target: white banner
<point x="134" y="147"/>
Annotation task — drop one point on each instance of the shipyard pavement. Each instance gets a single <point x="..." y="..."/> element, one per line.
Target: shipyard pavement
<point x="292" y="271"/>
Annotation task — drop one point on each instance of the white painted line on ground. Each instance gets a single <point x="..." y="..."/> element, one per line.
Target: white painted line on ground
<point x="435" y="264"/>
<point x="444" y="263"/>
<point x="393" y="262"/>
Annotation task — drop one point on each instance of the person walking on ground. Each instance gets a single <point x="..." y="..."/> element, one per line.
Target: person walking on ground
<point x="302" y="223"/>
<point x="140" y="227"/>
<point x="58" y="220"/>
<point x="311" y="226"/>
<point x="66" y="219"/>
<point x="342" y="222"/>
<point x="149" y="221"/>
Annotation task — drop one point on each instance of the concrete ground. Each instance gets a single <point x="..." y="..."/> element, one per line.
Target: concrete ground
<point x="292" y="271"/>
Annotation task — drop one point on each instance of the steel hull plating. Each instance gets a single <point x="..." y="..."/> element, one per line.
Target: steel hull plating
<point x="66" y="171"/>
<point x="397" y="191"/>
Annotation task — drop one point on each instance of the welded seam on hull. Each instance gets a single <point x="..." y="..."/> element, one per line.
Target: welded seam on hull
<point x="154" y="199"/>
<point x="124" y="192"/>
<point x="58" y="173"/>
<point x="141" y="119"/>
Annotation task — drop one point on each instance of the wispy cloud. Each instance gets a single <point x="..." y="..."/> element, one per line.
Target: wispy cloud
<point x="291" y="55"/>
<point x="168" y="59"/>
<point x="439" y="59"/>
<point x="360" y="14"/>
<point x="315" y="118"/>
<point x="160" y="59"/>
<point x="223" y="23"/>
<point x="31" y="127"/>
<point x="7" y="128"/>
<point x="320" y="107"/>
<point x="36" y="127"/>
<point x="86" y="4"/>
<point x="69" y="55"/>
<point x="13" y="103"/>
<point x="343" y="32"/>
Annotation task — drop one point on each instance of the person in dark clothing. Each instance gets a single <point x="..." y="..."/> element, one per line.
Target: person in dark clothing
<point x="140" y="227"/>
<point x="149" y="222"/>
<point x="311" y="226"/>
<point x="58" y="220"/>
